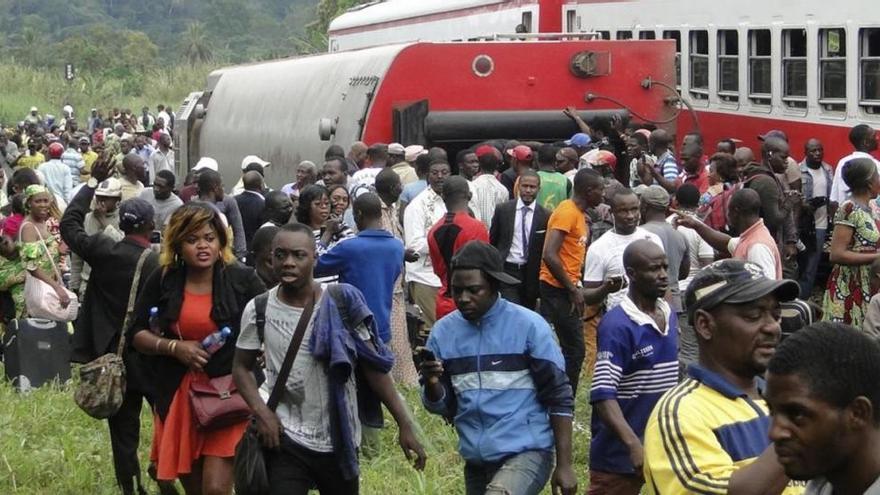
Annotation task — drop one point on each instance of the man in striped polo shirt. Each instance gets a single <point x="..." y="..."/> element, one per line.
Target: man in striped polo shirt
<point x="709" y="434"/>
<point x="637" y="362"/>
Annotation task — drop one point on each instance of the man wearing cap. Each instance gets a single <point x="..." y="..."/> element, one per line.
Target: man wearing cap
<point x="103" y="218"/>
<point x="191" y="191"/>
<point x="580" y="141"/>
<point x="518" y="230"/>
<point x="397" y="160"/>
<point x="637" y="362"/>
<point x="56" y="174"/>
<point x="709" y="434"/>
<point x="162" y="158"/>
<point x="488" y="193"/>
<point x="497" y="373"/>
<point x="449" y="234"/>
<point x="411" y="153"/>
<point x="33" y="117"/>
<point x="248" y="164"/>
<point x="654" y="206"/>
<point x="89" y="157"/>
<point x="520" y="157"/>
<point x="101" y="317"/>
<point x="565" y="247"/>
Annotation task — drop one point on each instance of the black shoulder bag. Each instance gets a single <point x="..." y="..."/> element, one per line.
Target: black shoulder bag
<point x="251" y="476"/>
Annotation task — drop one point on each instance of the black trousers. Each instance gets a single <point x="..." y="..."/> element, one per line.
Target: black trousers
<point x="125" y="428"/>
<point x="293" y="470"/>
<point x="525" y="293"/>
<point x="556" y="308"/>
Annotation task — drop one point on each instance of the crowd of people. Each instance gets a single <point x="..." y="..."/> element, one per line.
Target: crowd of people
<point x="499" y="281"/>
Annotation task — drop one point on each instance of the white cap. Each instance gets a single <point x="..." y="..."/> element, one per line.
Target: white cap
<point x="207" y="163"/>
<point x="110" y="188"/>
<point x="33" y="109"/>
<point x="253" y="159"/>
<point x="413" y="151"/>
<point x="68" y="109"/>
<point x="396" y="149"/>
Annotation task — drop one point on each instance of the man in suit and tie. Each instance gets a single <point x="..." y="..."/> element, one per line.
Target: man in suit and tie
<point x="251" y="204"/>
<point x="518" y="230"/>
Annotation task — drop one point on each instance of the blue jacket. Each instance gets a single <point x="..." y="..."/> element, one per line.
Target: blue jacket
<point x="503" y="378"/>
<point x="372" y="262"/>
<point x="343" y="336"/>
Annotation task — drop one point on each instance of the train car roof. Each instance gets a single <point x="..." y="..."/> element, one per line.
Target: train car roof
<point x="393" y="10"/>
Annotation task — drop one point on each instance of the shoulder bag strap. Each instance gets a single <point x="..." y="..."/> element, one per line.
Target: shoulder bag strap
<point x="260" y="304"/>
<point x="132" y="296"/>
<point x="45" y="247"/>
<point x="295" y="343"/>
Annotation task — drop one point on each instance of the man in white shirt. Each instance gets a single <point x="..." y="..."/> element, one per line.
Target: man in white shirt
<point x="864" y="139"/>
<point x="420" y="215"/>
<point x="364" y="180"/>
<point x="486" y="191"/>
<point x="604" y="275"/>
<point x="56" y="175"/>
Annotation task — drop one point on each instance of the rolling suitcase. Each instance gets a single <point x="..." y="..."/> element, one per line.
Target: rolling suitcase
<point x="36" y="351"/>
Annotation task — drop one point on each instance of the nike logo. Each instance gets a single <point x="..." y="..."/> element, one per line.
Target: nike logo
<point x="496" y="363"/>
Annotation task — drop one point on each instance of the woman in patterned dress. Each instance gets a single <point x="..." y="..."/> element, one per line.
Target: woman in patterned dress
<point x="854" y="246"/>
<point x="39" y="249"/>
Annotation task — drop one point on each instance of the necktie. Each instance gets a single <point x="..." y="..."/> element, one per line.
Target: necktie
<point x="525" y="232"/>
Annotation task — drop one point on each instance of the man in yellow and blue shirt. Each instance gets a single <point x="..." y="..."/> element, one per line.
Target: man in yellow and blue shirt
<point x="709" y="435"/>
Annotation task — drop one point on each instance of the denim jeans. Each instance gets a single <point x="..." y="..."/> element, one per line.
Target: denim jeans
<point x="522" y="474"/>
<point x="809" y="272"/>
<point x="556" y="308"/>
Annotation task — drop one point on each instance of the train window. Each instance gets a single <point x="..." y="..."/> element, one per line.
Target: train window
<point x="527" y="21"/>
<point x="624" y="35"/>
<point x="675" y="35"/>
<point x="794" y="67"/>
<point x="604" y="35"/>
<point x="728" y="64"/>
<point x="759" y="66"/>
<point x="869" y="70"/>
<point x="699" y="58"/>
<point x="571" y="21"/>
<point x="647" y="35"/>
<point x="832" y="69"/>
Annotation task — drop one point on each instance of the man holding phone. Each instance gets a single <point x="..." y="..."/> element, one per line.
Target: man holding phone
<point x="510" y="401"/>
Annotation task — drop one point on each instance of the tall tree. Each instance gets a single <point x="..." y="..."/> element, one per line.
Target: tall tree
<point x="196" y="46"/>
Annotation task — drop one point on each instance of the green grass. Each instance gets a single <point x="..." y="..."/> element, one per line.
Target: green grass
<point x="48" y="446"/>
<point x="46" y="89"/>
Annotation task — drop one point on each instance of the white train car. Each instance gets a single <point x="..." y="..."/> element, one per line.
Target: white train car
<point x="809" y="67"/>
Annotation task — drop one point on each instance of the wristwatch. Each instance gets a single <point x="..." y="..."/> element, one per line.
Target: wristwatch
<point x="93" y="183"/>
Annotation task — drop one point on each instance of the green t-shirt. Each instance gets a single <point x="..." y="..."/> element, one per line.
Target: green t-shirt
<point x="555" y="188"/>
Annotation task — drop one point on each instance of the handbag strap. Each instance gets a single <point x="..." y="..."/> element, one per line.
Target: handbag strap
<point x="290" y="356"/>
<point x="132" y="296"/>
<point x="45" y="247"/>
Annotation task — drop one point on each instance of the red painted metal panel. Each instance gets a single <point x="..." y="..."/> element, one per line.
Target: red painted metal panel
<point x="527" y="76"/>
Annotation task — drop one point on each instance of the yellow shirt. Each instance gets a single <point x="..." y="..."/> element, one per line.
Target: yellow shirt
<point x="32" y="161"/>
<point x="700" y="433"/>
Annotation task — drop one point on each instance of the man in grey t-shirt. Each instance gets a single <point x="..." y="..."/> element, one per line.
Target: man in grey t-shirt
<point x="655" y="202"/>
<point x="298" y="432"/>
<point x="161" y="196"/>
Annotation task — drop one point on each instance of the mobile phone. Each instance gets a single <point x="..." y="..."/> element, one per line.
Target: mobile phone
<point x="156" y="237"/>
<point x="425" y="354"/>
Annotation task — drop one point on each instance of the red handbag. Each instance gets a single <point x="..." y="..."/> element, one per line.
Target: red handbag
<point x="216" y="403"/>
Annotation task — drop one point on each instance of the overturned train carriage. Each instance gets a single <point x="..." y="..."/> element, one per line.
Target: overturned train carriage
<point x="448" y="94"/>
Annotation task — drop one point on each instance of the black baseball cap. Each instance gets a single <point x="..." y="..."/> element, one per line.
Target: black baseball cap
<point x="734" y="282"/>
<point x="478" y="255"/>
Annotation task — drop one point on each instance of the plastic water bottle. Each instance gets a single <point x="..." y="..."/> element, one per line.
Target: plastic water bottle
<point x="215" y="341"/>
<point x="154" y="320"/>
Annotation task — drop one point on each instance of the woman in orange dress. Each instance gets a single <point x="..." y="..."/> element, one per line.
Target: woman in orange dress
<point x="198" y="289"/>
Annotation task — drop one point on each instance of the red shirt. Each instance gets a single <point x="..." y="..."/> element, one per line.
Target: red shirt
<point x="701" y="179"/>
<point x="445" y="238"/>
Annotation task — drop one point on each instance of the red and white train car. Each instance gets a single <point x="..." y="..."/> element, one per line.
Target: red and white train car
<point x="809" y="67"/>
<point x="452" y="94"/>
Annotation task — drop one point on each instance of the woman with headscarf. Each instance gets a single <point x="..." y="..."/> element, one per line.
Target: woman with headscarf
<point x="854" y="246"/>
<point x="39" y="249"/>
